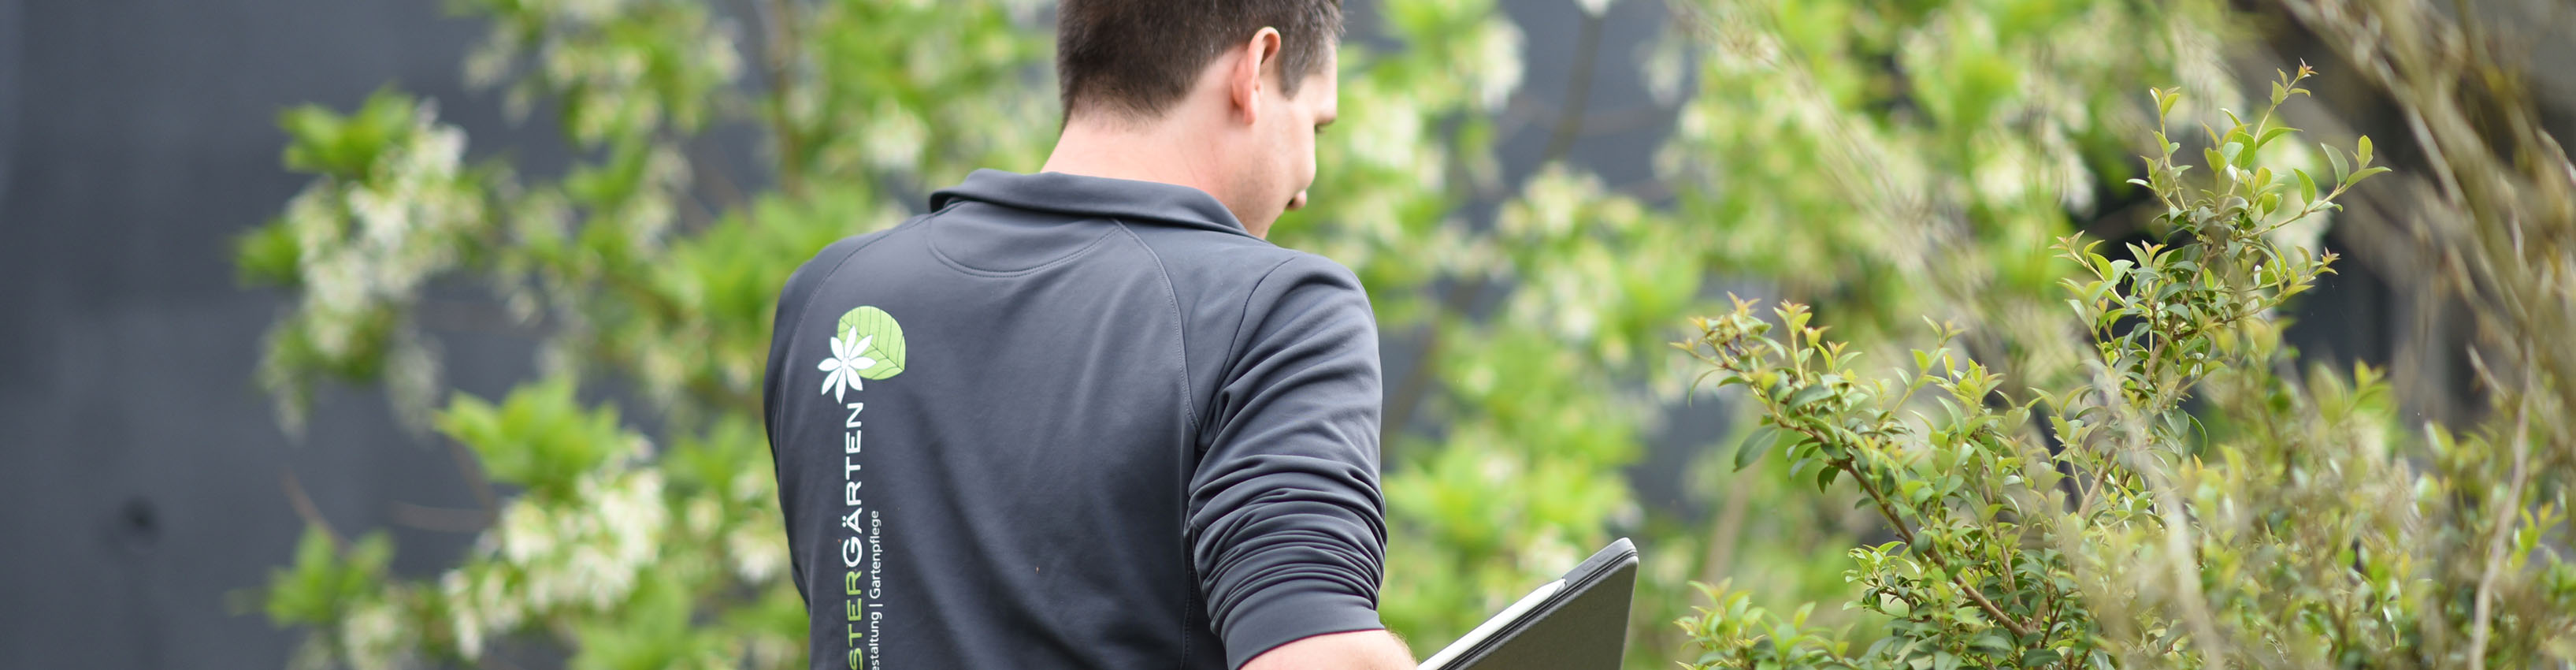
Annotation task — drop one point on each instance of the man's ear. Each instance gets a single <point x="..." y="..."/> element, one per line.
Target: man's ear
<point x="1243" y="81"/>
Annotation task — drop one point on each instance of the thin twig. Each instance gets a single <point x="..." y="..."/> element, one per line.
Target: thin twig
<point x="778" y="51"/>
<point x="1411" y="389"/>
<point x="442" y="519"/>
<point x="1956" y="577"/>
<point x="305" y="508"/>
<point x="1578" y="90"/>
<point x="467" y="465"/>
<point x="2481" y="613"/>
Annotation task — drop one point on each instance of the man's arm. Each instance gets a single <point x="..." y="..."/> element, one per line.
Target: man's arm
<point x="790" y="313"/>
<point x="1356" y="650"/>
<point x="1287" y="529"/>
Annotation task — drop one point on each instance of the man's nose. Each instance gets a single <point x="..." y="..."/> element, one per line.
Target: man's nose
<point x="1298" y="202"/>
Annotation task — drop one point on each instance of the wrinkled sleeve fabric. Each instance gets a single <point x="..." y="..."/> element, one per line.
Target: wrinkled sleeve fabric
<point x="1287" y="526"/>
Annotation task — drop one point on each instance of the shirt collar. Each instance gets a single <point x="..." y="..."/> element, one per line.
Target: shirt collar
<point x="1081" y="195"/>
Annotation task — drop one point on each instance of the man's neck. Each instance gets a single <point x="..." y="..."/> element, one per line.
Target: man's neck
<point x="1143" y="152"/>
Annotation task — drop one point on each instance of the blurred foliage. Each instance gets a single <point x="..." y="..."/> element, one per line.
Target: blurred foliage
<point x="2152" y="482"/>
<point x="2286" y="531"/>
<point x="1881" y="159"/>
<point x="645" y="272"/>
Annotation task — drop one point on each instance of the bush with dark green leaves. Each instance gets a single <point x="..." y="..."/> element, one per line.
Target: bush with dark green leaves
<point x="2179" y="496"/>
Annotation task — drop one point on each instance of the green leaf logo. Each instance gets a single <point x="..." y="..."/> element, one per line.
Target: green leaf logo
<point x="885" y="337"/>
<point x="866" y="344"/>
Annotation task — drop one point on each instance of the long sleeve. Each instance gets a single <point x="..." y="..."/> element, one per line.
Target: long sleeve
<point x="1287" y="525"/>
<point x="790" y="313"/>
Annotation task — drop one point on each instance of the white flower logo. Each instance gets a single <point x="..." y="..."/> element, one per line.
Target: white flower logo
<point x="846" y="362"/>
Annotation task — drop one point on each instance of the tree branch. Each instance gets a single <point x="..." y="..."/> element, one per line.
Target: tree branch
<point x="778" y="50"/>
<point x="2481" y="613"/>
<point x="1903" y="533"/>
<point x="1578" y="90"/>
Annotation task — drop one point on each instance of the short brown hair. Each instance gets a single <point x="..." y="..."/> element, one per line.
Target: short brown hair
<point x="1137" y="56"/>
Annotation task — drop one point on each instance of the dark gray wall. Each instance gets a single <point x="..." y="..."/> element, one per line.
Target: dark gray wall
<point x="140" y="468"/>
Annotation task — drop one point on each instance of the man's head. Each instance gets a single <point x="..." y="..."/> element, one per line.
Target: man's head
<point x="1240" y="87"/>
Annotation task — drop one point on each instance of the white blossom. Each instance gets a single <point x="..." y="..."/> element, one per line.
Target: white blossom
<point x="847" y="360"/>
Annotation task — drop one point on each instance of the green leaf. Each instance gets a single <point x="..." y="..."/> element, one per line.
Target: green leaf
<point x="2337" y="159"/>
<point x="269" y="255"/>
<point x="1754" y="445"/>
<point x="2307" y="186"/>
<point x="1807" y="396"/>
<point x="883" y="335"/>
<point x="301" y="593"/>
<point x="2268" y="136"/>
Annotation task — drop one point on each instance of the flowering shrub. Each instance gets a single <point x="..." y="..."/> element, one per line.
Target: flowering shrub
<point x="2094" y="519"/>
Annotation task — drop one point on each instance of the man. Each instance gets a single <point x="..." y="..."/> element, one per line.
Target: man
<point x="1134" y="434"/>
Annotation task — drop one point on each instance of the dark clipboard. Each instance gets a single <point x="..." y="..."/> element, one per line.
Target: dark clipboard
<point x="1579" y="622"/>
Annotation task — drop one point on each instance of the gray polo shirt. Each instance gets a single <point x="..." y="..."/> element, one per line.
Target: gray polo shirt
<point x="1133" y="435"/>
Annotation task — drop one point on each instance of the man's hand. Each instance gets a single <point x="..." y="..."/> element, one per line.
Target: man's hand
<point x="1355" y="650"/>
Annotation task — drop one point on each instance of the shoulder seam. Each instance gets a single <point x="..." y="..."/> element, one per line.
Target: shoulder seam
<point x="961" y="266"/>
<point x="1245" y="313"/>
<point x="797" y="330"/>
<point x="1172" y="299"/>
